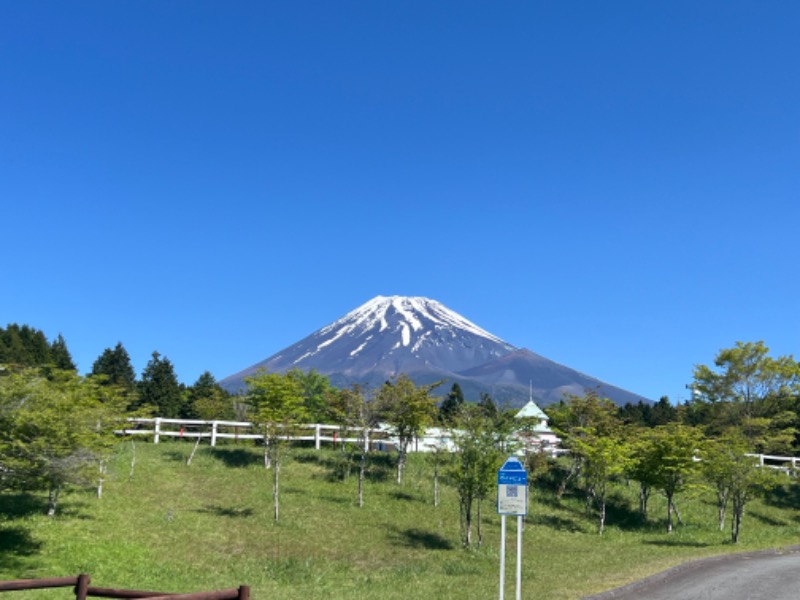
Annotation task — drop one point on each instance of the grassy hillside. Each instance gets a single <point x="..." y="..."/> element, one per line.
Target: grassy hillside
<point x="209" y="526"/>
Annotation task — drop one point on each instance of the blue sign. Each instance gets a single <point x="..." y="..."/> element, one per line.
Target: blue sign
<point x="512" y="473"/>
<point x="512" y="488"/>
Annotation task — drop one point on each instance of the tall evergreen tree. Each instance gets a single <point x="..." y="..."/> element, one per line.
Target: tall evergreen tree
<point x="488" y="406"/>
<point x="207" y="400"/>
<point x="23" y="346"/>
<point x="159" y="387"/>
<point x="36" y="345"/>
<point x="116" y="366"/>
<point x="662" y="413"/>
<point x="60" y="356"/>
<point x="452" y="403"/>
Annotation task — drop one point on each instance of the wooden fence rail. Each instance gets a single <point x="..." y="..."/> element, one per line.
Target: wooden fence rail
<point x="82" y="589"/>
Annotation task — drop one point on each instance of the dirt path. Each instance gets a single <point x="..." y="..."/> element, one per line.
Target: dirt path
<point x="770" y="575"/>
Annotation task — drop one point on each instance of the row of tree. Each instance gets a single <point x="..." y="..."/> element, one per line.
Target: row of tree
<point x="157" y="390"/>
<point x="669" y="458"/>
<point x="482" y="432"/>
<point x="747" y="403"/>
<point x="26" y="346"/>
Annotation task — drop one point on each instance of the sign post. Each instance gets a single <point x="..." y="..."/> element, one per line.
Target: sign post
<point x="512" y="499"/>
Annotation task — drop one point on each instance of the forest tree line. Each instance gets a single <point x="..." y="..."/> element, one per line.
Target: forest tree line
<point x="57" y="426"/>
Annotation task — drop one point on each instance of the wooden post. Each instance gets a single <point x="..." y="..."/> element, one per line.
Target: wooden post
<point x="82" y="586"/>
<point x="157" y="432"/>
<point x="316" y="436"/>
<point x="213" y="433"/>
<point x="37" y="584"/>
<point x="244" y="592"/>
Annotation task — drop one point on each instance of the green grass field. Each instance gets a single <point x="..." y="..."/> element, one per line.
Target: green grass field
<point x="209" y="526"/>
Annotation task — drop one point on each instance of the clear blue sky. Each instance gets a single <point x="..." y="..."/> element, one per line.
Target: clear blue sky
<point x="614" y="185"/>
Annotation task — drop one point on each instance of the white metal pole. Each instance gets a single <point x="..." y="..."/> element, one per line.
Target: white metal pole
<point x="502" y="555"/>
<point x="519" y="557"/>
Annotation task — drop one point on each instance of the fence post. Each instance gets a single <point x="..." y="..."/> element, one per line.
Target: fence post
<point x="316" y="436"/>
<point x="157" y="430"/>
<point x="244" y="592"/>
<point x="213" y="433"/>
<point x="366" y="440"/>
<point x="82" y="587"/>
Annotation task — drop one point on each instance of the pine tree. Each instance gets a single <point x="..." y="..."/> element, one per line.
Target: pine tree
<point x="24" y="346"/>
<point x="116" y="366"/>
<point x="207" y="400"/>
<point x="159" y="388"/>
<point x="60" y="356"/>
<point x="451" y="404"/>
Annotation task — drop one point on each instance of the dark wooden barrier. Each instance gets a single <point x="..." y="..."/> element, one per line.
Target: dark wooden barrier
<point x="82" y="590"/>
<point x="37" y="584"/>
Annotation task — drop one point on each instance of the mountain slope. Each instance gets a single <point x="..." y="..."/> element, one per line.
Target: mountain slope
<point x="546" y="380"/>
<point x="429" y="342"/>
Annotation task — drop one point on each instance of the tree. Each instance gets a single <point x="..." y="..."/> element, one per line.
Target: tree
<point x="475" y="464"/>
<point x="355" y="413"/>
<point x="452" y="403"/>
<point x="488" y="406"/>
<point x="277" y="403"/>
<point x="745" y="377"/>
<point x="639" y="469"/>
<point x="635" y="414"/>
<point x="113" y="368"/>
<point x="734" y="476"/>
<point x="26" y="346"/>
<point x="668" y="455"/>
<point x="56" y="431"/>
<point x="23" y="346"/>
<point x="604" y="456"/>
<point x="60" y="356"/>
<point x="316" y="394"/>
<point x="159" y="388"/>
<point x="662" y="413"/>
<point x="115" y="365"/>
<point x="407" y="409"/>
<point x="575" y="418"/>
<point x="208" y="401"/>
<point x="438" y="458"/>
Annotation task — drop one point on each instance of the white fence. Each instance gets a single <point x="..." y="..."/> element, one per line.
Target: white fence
<point x="232" y="430"/>
<point x="379" y="438"/>
<point x="778" y="462"/>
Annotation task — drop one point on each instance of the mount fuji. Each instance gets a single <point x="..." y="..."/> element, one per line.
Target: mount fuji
<point x="427" y="341"/>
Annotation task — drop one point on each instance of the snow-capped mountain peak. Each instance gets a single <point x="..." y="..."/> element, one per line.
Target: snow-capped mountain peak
<point x="407" y="315"/>
<point x="424" y="339"/>
<point x="389" y="335"/>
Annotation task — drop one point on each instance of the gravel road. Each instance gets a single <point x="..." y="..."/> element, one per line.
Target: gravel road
<point x="771" y="575"/>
